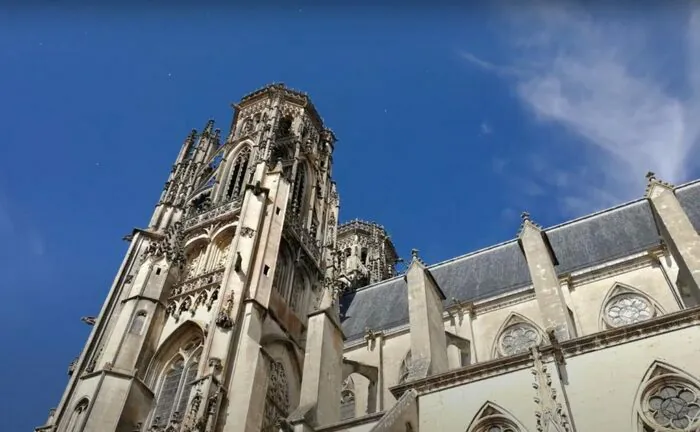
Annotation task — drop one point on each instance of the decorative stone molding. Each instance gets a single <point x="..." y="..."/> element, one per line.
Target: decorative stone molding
<point x="223" y="211"/>
<point x="569" y="348"/>
<point x="247" y="232"/>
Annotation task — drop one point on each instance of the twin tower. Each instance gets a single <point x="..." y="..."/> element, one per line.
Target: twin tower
<point x="231" y="288"/>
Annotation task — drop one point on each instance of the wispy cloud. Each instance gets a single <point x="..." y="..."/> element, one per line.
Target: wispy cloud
<point x="485" y="128"/>
<point x="632" y="103"/>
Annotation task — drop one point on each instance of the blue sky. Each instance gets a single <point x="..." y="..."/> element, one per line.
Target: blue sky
<point x="451" y="121"/>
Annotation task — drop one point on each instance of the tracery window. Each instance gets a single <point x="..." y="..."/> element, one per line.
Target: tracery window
<point x="195" y="260"/>
<point x="277" y="397"/>
<point x="238" y="173"/>
<point x="175" y="384"/>
<point x="77" y="416"/>
<point x="627" y="308"/>
<point x="518" y="338"/>
<point x="672" y="404"/>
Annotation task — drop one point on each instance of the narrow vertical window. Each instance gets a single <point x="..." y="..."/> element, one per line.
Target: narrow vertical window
<point x="240" y="167"/>
<point x="137" y="323"/>
<point x="77" y="416"/>
<point x="298" y="191"/>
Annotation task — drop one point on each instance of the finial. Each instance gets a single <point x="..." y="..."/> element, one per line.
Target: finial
<point x="525" y="216"/>
<point x="414" y="253"/>
<point x="650" y="176"/>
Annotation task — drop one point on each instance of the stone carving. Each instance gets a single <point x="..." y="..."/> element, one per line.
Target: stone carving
<point x="223" y="319"/>
<point x="277" y="398"/>
<point x="247" y="232"/>
<point x="518" y="339"/>
<point x="628" y="308"/>
<point x="550" y="414"/>
<point x="170" y="246"/>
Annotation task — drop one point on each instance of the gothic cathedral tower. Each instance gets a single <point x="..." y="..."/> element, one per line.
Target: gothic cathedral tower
<point x="205" y="325"/>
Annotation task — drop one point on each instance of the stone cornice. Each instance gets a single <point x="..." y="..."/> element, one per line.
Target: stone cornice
<point x="570" y="348"/>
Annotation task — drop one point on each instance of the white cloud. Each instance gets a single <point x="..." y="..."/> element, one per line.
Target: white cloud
<point x="485" y="128"/>
<point x="604" y="81"/>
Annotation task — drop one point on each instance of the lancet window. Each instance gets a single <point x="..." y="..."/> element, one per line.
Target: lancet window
<point x="298" y="190"/>
<point x="77" y="417"/>
<point x="238" y="174"/>
<point x="175" y="385"/>
<point x="137" y="323"/>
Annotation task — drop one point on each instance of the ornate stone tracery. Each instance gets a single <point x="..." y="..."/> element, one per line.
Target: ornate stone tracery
<point x="669" y="400"/>
<point x="518" y="338"/>
<point x="277" y="397"/>
<point x="625" y="305"/>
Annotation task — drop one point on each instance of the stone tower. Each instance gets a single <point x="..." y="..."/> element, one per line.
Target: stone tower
<point x="367" y="253"/>
<point x="205" y="325"/>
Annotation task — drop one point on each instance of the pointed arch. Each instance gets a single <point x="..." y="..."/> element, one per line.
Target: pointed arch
<point x="625" y="305"/>
<point x="172" y="373"/>
<point x="183" y="335"/>
<point x="238" y="173"/>
<point x="516" y="335"/>
<point x="494" y="418"/>
<point x="667" y="398"/>
<point x="77" y="416"/>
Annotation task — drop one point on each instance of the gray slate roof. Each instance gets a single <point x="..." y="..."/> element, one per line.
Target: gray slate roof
<point x="578" y="244"/>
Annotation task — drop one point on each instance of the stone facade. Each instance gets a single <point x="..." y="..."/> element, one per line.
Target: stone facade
<point x="245" y="307"/>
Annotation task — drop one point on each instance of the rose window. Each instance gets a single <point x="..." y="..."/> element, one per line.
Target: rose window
<point x="674" y="406"/>
<point x="518" y="339"/>
<point x="628" y="309"/>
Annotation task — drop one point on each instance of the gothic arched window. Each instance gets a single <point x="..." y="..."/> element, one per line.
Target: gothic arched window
<point x="77" y="417"/>
<point x="492" y="418"/>
<point x="137" y="323"/>
<point x="277" y="397"/>
<point x="669" y="401"/>
<point x="626" y="305"/>
<point x="176" y="384"/>
<point x="298" y="190"/>
<point x="238" y="173"/>
<point x="518" y="338"/>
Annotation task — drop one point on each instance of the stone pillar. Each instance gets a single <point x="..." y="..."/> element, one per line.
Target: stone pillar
<point x="319" y="401"/>
<point x="425" y="314"/>
<point x="555" y="313"/>
<point x="677" y="231"/>
<point x="246" y="402"/>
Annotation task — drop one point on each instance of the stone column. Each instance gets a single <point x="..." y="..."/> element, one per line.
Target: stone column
<point x="425" y="314"/>
<point x="246" y="400"/>
<point x="319" y="401"/>
<point x="555" y="313"/>
<point x="677" y="231"/>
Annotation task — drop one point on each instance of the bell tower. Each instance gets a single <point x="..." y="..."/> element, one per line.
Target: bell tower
<point x="205" y="325"/>
<point x="367" y="254"/>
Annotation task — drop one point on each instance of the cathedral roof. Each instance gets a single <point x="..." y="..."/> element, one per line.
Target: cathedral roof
<point x="585" y="242"/>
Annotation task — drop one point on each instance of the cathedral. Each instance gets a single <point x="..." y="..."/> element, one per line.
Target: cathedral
<point x="244" y="306"/>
